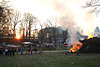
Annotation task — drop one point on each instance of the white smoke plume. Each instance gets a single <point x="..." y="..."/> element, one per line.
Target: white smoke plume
<point x="73" y="30"/>
<point x="77" y="19"/>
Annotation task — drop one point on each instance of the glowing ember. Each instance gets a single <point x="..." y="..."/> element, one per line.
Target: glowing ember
<point x="90" y="36"/>
<point x="76" y="47"/>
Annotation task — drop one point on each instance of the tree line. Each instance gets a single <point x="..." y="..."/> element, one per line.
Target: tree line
<point x="12" y="20"/>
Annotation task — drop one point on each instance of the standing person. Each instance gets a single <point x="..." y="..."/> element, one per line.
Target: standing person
<point x="21" y="51"/>
<point x="37" y="50"/>
<point x="30" y="51"/>
<point x="6" y="51"/>
<point x="1" y="51"/>
<point x="17" y="51"/>
<point x="13" y="51"/>
<point x="10" y="52"/>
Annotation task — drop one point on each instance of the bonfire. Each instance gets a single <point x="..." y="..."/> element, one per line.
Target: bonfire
<point x="76" y="47"/>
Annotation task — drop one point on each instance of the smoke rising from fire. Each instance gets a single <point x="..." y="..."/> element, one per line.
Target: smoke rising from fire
<point x="75" y="18"/>
<point x="72" y="30"/>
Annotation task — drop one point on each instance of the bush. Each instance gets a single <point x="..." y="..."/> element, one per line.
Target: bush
<point x="91" y="45"/>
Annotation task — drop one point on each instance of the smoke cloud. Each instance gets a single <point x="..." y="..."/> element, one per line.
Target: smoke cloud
<point x="75" y="18"/>
<point x="72" y="27"/>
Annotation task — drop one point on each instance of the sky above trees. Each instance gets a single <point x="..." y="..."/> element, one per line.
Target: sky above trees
<point x="67" y="13"/>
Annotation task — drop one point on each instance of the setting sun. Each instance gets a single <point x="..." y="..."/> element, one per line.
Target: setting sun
<point x="18" y="36"/>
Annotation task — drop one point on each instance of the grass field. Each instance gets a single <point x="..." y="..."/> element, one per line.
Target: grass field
<point x="51" y="60"/>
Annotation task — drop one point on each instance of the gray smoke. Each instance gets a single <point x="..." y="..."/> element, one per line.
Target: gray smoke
<point x="73" y="30"/>
<point x="97" y="32"/>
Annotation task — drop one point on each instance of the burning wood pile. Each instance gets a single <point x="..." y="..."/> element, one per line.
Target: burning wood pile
<point x="76" y="46"/>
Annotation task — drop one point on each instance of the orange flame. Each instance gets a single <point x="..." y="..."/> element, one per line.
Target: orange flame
<point x="76" y="47"/>
<point x="90" y="36"/>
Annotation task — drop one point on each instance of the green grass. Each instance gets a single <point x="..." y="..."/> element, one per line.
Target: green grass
<point x="51" y="60"/>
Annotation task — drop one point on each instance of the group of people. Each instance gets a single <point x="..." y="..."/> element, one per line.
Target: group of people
<point x="18" y="51"/>
<point x="7" y="51"/>
<point x="30" y="51"/>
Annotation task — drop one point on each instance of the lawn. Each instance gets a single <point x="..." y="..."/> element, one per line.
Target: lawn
<point x="51" y="60"/>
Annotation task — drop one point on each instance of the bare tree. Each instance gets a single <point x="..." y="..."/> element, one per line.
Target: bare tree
<point x="52" y="24"/>
<point x="48" y="32"/>
<point x="22" y="28"/>
<point x="94" y="4"/>
<point x="30" y="20"/>
<point x="5" y="13"/>
<point x="15" y="19"/>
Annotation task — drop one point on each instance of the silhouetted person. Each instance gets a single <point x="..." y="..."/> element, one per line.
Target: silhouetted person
<point x="17" y="51"/>
<point x="1" y="51"/>
<point x="6" y="52"/>
<point x="30" y="51"/>
<point x="13" y="52"/>
<point x="10" y="52"/>
<point x="21" y="51"/>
